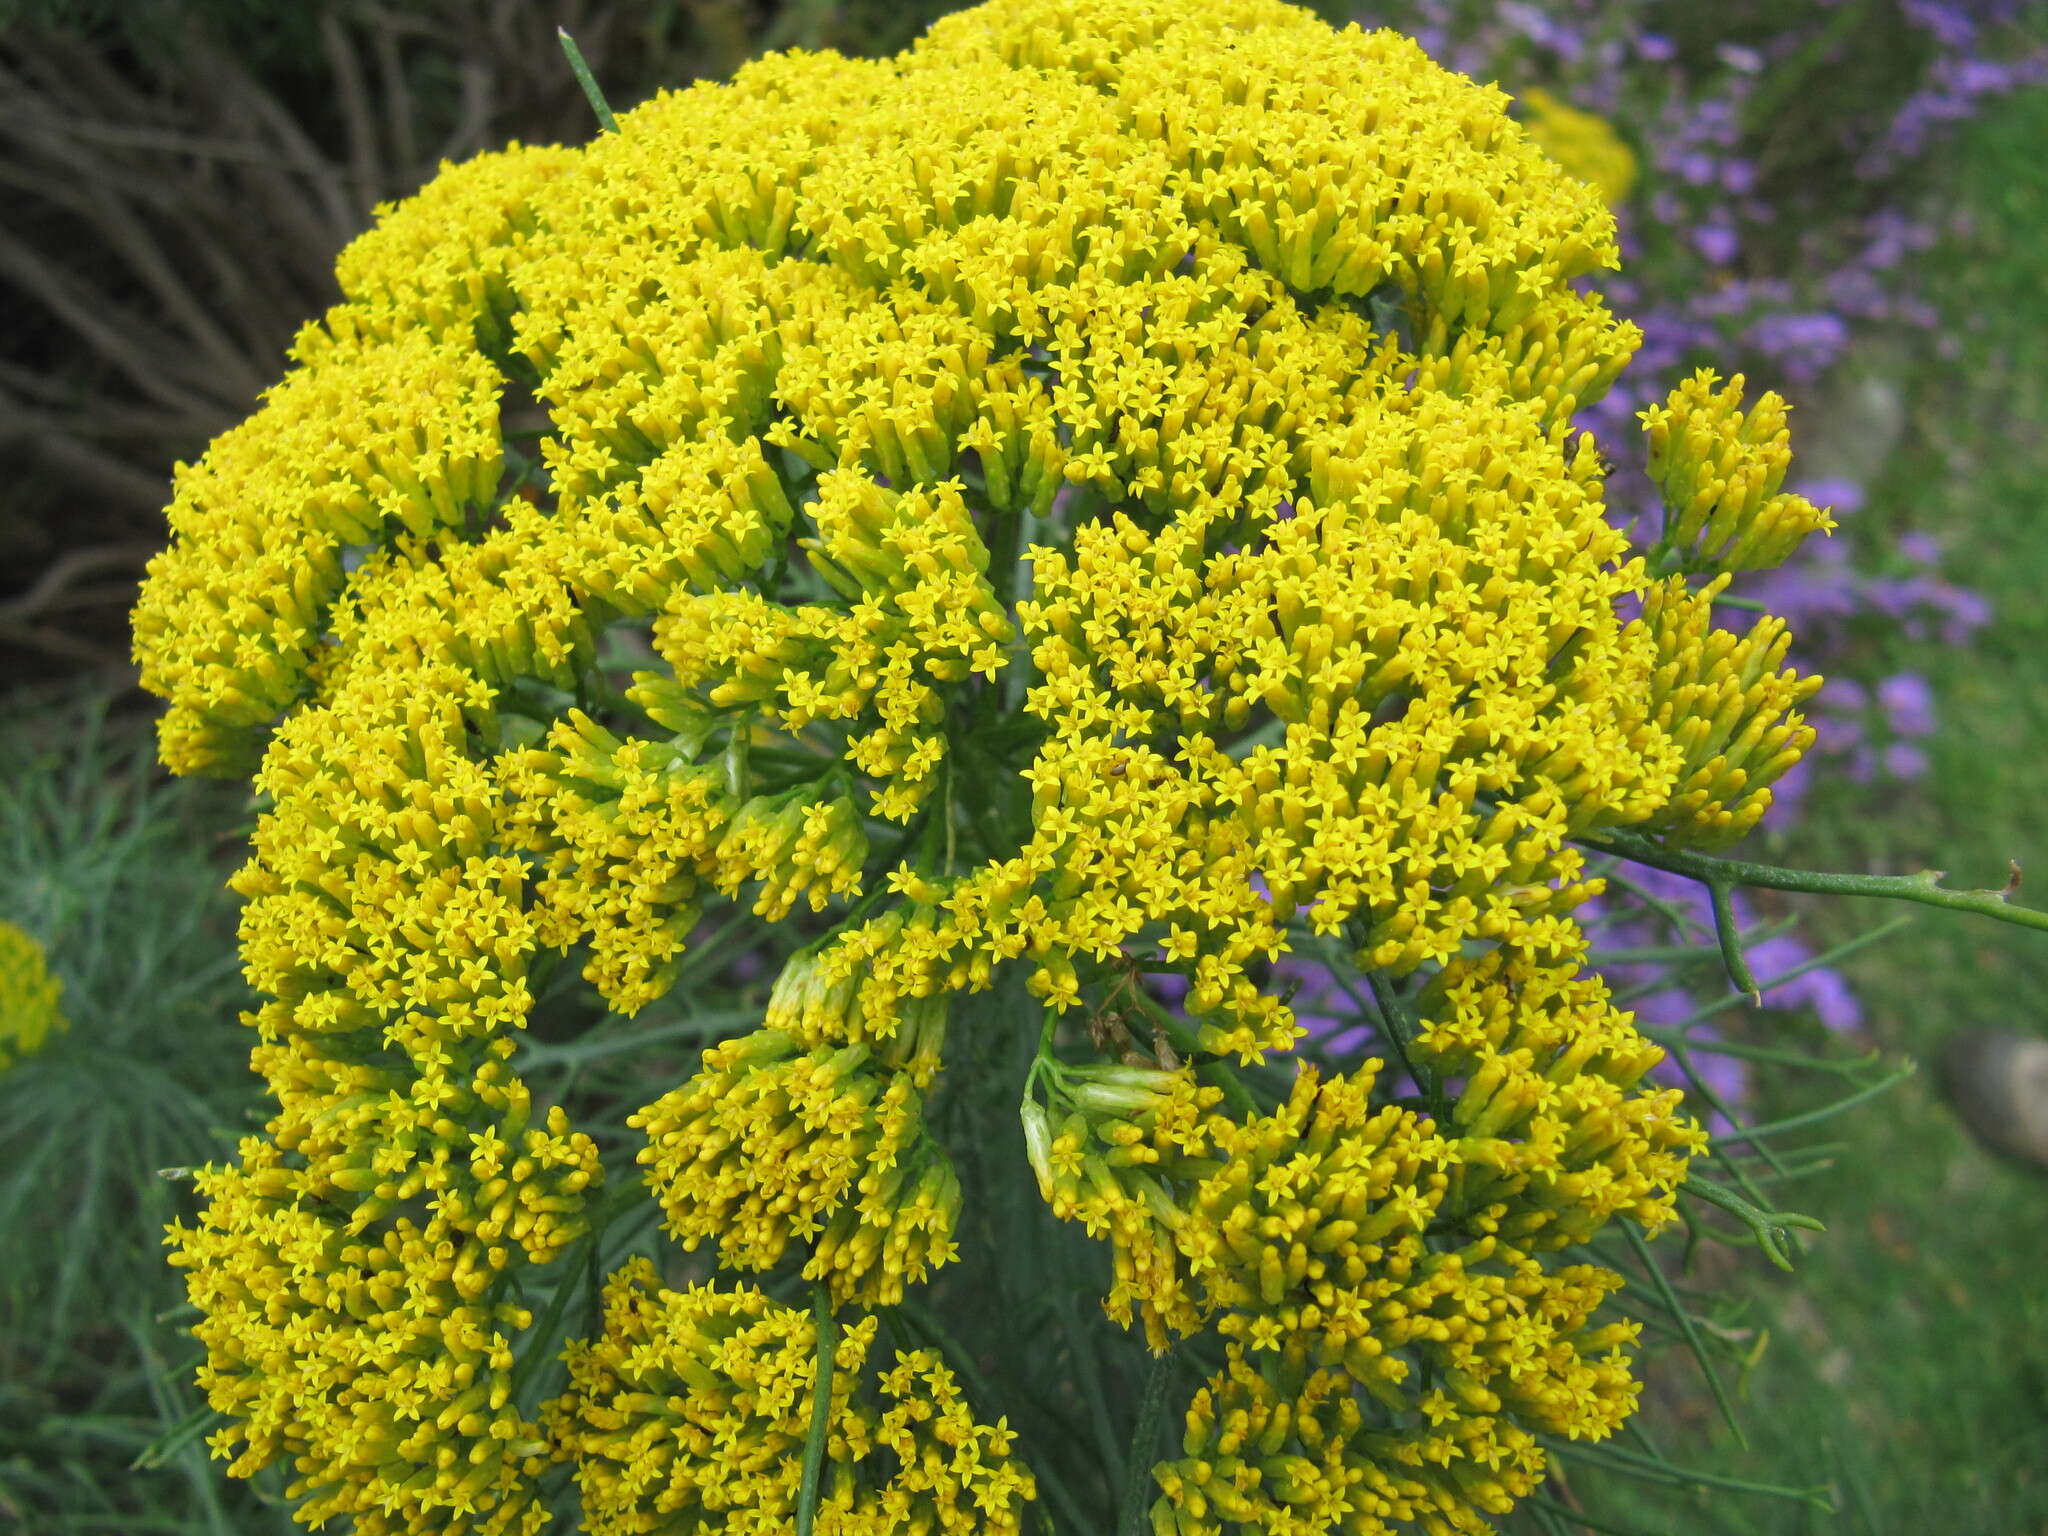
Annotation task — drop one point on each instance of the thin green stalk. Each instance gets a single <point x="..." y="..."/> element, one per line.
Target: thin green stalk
<point x="1615" y="1459"/>
<point x="1693" y="1342"/>
<point x="821" y="1414"/>
<point x="1091" y="1381"/>
<point x="1841" y="951"/>
<point x="1760" y="933"/>
<point x="1681" y="921"/>
<point x="1681" y="1054"/>
<point x="1730" y="935"/>
<point x="1815" y="1116"/>
<point x="581" y="1051"/>
<point x="1566" y="1512"/>
<point x="1144" y="1442"/>
<point x="1401" y="1033"/>
<point x="588" y="81"/>
<point x="1925" y="888"/>
<point x="540" y="1340"/>
<point x="1771" y="1229"/>
<point x="1767" y="1053"/>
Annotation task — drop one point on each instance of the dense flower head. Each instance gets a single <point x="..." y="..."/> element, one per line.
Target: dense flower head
<point x="1338" y="1245"/>
<point x="771" y="1143"/>
<point x="30" y="1008"/>
<point x="1553" y="1134"/>
<point x="1090" y="499"/>
<point x="689" y="1413"/>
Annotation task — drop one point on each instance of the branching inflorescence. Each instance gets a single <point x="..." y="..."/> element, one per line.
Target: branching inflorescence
<point x="1098" y="498"/>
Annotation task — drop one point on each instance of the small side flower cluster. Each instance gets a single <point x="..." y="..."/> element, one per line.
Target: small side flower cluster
<point x="771" y="1143"/>
<point x="1336" y="1245"/>
<point x="690" y="1409"/>
<point x="1554" y="1132"/>
<point x="1719" y="470"/>
<point x="1731" y="711"/>
<point x="29" y="997"/>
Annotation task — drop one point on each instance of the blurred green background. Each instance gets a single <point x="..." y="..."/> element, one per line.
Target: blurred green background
<point x="179" y="177"/>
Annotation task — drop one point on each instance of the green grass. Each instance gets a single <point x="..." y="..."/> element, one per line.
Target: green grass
<point x="1907" y="1362"/>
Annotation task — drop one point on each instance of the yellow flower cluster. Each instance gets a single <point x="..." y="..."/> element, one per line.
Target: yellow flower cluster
<point x="1335" y="1246"/>
<point x="399" y="434"/>
<point x="1719" y="470"/>
<point x="1722" y="698"/>
<point x="771" y="1143"/>
<point x="1553" y="1134"/>
<point x="1584" y="144"/>
<point x="627" y="832"/>
<point x="912" y="570"/>
<point x="29" y="1008"/>
<point x="820" y="1006"/>
<point x="1278" y="1441"/>
<point x="348" y="1267"/>
<point x="689" y="1413"/>
<point x="1125" y="444"/>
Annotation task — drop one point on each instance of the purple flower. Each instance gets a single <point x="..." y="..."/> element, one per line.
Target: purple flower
<point x="1920" y="548"/>
<point x="1842" y="497"/>
<point x="1717" y="242"/>
<point x="1806" y="346"/>
<point x="1908" y="704"/>
<point x="1902" y="760"/>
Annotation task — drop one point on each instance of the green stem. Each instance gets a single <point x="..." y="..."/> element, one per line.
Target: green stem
<point x="1401" y="1033"/>
<point x="1840" y="952"/>
<point x="1667" y="953"/>
<point x="1683" y="1056"/>
<point x="588" y="81"/>
<point x="1924" y="888"/>
<point x="1144" y="1442"/>
<point x="1578" y="1518"/>
<point x="821" y="1414"/>
<point x="1772" y="1229"/>
<point x="541" y="1338"/>
<point x="1615" y="1458"/>
<point x="1681" y="921"/>
<point x="1813" y="1116"/>
<point x="1184" y="1040"/>
<point x="1693" y="1342"/>
<point x="1075" y="1328"/>
<point x="1730" y="935"/>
